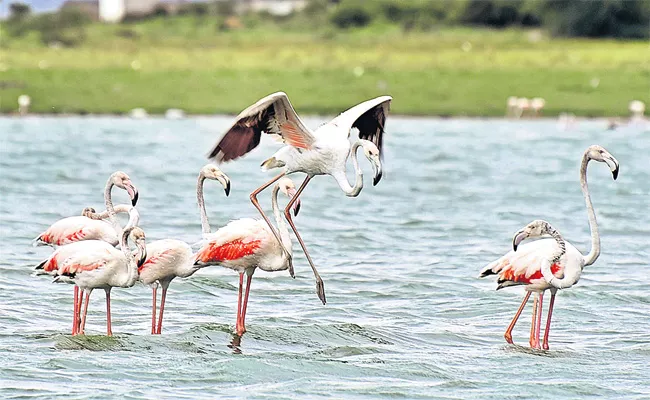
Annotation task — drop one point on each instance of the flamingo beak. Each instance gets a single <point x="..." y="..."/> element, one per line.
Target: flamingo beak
<point x="519" y="237"/>
<point x="132" y="191"/>
<point x="143" y="256"/>
<point x="225" y="182"/>
<point x="296" y="204"/>
<point x="376" y="163"/>
<point x="612" y="163"/>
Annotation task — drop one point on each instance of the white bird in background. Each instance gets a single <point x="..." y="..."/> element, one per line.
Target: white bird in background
<point x="171" y="258"/>
<point x="246" y="244"/>
<point x="94" y="264"/>
<point x="321" y="152"/>
<point x="538" y="265"/>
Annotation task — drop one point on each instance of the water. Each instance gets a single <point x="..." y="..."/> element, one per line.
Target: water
<point x="406" y="315"/>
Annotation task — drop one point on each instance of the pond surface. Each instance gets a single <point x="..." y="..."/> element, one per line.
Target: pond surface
<point x="406" y="316"/>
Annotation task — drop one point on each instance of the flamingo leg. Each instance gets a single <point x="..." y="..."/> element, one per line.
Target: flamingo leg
<point x="154" y="289"/>
<point x="75" y="312"/>
<point x="82" y="329"/>
<point x="508" y="334"/>
<point x="548" y="321"/>
<point x="109" y="329"/>
<point x="531" y="340"/>
<point x="538" y="322"/>
<point x="320" y="286"/>
<point x="253" y="197"/>
<point x="79" y="304"/>
<point x="162" y="306"/>
<point x="242" y="328"/>
<point x="241" y="289"/>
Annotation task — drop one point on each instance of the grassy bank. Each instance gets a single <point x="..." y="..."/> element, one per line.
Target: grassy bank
<point x="185" y="63"/>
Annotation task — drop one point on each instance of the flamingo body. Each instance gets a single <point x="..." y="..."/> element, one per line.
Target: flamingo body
<point x="73" y="229"/>
<point x="166" y="259"/>
<point x="524" y="266"/>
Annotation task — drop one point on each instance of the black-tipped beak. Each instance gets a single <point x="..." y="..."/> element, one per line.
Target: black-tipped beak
<point x="133" y="193"/>
<point x="519" y="237"/>
<point x="377" y="178"/>
<point x="296" y="208"/>
<point x="227" y="188"/>
<point x="615" y="173"/>
<point x="377" y="167"/>
<point x="143" y="258"/>
<point x="134" y="200"/>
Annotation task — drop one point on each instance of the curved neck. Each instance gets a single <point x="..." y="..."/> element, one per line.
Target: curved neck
<point x="342" y="179"/>
<point x="283" y="230"/>
<point x="200" y="199"/>
<point x="109" y="205"/>
<point x="120" y="208"/>
<point x="561" y="244"/>
<point x="131" y="263"/>
<point x="593" y="225"/>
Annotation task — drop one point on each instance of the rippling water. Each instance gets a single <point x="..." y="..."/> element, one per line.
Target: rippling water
<point x="406" y="315"/>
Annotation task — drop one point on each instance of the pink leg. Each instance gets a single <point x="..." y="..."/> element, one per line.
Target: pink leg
<point x="153" y="308"/>
<point x="508" y="334"/>
<point x="162" y="307"/>
<point x="75" y="312"/>
<point x="82" y="329"/>
<point x="548" y="321"/>
<point x="242" y="328"/>
<point x="109" y="329"/>
<point x="241" y="289"/>
<point x="538" y="322"/>
<point x="79" y="305"/>
<point x="531" y="339"/>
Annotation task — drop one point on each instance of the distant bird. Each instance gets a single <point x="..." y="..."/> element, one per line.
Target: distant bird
<point x="171" y="258"/>
<point x="537" y="105"/>
<point x="523" y="105"/>
<point x="321" y="152"/>
<point x="94" y="264"/>
<point x="537" y="264"/>
<point x="511" y="106"/>
<point x="74" y="229"/>
<point x="246" y="244"/>
<point x="637" y="108"/>
<point x="24" y="101"/>
<point x="138" y="113"/>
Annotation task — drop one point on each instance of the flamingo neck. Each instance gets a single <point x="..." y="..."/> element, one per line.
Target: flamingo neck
<point x="593" y="224"/>
<point x="561" y="245"/>
<point x="200" y="199"/>
<point x="283" y="230"/>
<point x="342" y="179"/>
<point x="109" y="205"/>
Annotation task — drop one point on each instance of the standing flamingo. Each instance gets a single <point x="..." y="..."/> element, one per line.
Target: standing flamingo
<point x="56" y="261"/>
<point x="171" y="258"/>
<point x="321" y="152"/>
<point x="246" y="244"/>
<point x="74" y="229"/>
<point x="534" y="264"/>
<point x="98" y="265"/>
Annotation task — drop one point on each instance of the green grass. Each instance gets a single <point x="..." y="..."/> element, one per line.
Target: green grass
<point x="187" y="63"/>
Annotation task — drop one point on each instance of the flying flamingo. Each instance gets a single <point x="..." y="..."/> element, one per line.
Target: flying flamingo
<point x="321" y="152"/>
<point x="246" y="244"/>
<point x="535" y="264"/>
<point x="171" y="258"/>
<point x="74" y="229"/>
<point x="55" y="264"/>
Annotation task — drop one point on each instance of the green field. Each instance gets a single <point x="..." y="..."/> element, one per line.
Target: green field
<point x="187" y="63"/>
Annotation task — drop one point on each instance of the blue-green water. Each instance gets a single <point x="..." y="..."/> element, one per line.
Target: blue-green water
<point x="406" y="315"/>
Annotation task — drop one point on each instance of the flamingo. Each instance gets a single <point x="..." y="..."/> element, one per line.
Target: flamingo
<point x="74" y="229"/>
<point x="538" y="266"/>
<point x="321" y="152"/>
<point x="171" y="258"/>
<point x="53" y="264"/>
<point x="246" y="244"/>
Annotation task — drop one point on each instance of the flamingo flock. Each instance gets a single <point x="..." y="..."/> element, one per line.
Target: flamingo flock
<point x="87" y="254"/>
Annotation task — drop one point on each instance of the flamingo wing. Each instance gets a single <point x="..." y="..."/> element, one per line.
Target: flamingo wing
<point x="165" y="254"/>
<point x="523" y="267"/>
<point x="369" y="117"/>
<point x="84" y="255"/>
<point x="236" y="240"/>
<point x="274" y="115"/>
<point x="75" y="229"/>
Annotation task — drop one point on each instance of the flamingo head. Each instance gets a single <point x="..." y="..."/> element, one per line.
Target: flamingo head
<point x="371" y="152"/>
<point x="137" y="236"/>
<point x="598" y="153"/>
<point x="122" y="181"/>
<point x="211" y="171"/>
<point x="289" y="189"/>
<point x="535" y="229"/>
<point x="88" y="212"/>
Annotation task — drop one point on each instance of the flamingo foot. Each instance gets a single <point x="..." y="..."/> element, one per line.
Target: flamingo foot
<point x="545" y="346"/>
<point x="508" y="338"/>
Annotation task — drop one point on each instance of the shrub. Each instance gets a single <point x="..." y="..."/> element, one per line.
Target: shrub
<point x="350" y="16"/>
